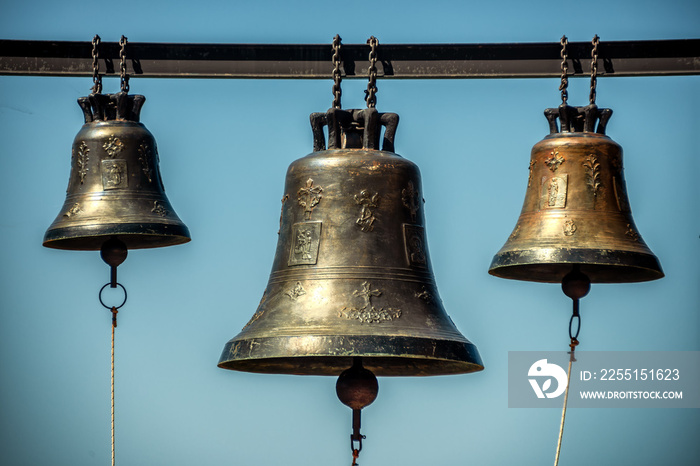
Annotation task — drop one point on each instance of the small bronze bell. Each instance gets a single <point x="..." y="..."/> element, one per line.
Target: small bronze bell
<point x="351" y="276"/>
<point x="576" y="210"/>
<point x="115" y="188"/>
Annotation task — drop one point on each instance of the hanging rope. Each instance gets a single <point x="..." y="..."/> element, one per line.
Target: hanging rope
<point x="355" y="455"/>
<point x="114" y="325"/>
<point x="566" y="400"/>
<point x="575" y="285"/>
<point x="114" y="310"/>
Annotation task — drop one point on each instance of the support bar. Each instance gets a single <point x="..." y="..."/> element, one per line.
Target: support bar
<point x="402" y="61"/>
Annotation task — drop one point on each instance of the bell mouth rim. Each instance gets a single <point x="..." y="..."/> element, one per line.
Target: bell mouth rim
<point x="550" y="265"/>
<point x="133" y="235"/>
<point x="335" y="353"/>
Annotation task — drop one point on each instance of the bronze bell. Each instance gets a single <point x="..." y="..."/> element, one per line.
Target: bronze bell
<point x="351" y="275"/>
<point x="115" y="188"/>
<point x="576" y="210"/>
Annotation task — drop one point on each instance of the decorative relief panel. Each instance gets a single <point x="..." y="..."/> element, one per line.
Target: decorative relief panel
<point x="81" y="161"/>
<point x="554" y="161"/>
<point x="114" y="174"/>
<point x="632" y="233"/>
<point x="592" y="173"/>
<point x="74" y="210"/>
<point x="529" y="177"/>
<point x="424" y="294"/>
<point x="158" y="209"/>
<point x="366" y="219"/>
<point x="305" y="240"/>
<point x="113" y="146"/>
<point x="144" y="156"/>
<point x="411" y="200"/>
<point x="296" y="292"/>
<point x="369" y="314"/>
<point x="569" y="228"/>
<point x="309" y="197"/>
<point x="414" y="242"/>
<point x="554" y="192"/>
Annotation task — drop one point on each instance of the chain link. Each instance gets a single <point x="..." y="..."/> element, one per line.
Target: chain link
<point x="96" y="78"/>
<point x="564" y="68"/>
<point x="371" y="92"/>
<point x="124" y="78"/>
<point x="337" y="92"/>
<point x="594" y="68"/>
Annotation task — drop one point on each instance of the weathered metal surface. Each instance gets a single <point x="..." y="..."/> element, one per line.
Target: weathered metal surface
<point x="576" y="210"/>
<point x="351" y="275"/>
<point x="115" y="187"/>
<point x="303" y="61"/>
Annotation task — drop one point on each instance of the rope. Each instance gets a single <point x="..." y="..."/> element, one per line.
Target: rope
<point x="114" y="325"/>
<point x="563" y="413"/>
<point x="355" y="455"/>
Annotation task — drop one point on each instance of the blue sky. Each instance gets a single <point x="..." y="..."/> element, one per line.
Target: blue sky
<point x="223" y="167"/>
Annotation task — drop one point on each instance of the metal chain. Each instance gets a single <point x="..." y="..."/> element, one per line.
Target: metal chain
<point x="574" y="335"/>
<point x="594" y="68"/>
<point x="370" y="93"/>
<point x="563" y="413"/>
<point x="337" y="92"/>
<point x="564" y="68"/>
<point x="124" y="78"/>
<point x="96" y="78"/>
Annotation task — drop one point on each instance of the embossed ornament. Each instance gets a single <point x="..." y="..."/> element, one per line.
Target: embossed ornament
<point x="368" y="313"/>
<point x="554" y="161"/>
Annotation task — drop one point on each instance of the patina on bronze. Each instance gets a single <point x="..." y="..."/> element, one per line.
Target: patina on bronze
<point x="115" y="188"/>
<point x="351" y="275"/>
<point x="576" y="210"/>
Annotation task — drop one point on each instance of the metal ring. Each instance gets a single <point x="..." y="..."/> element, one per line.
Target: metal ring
<point x="359" y="443"/>
<point x="110" y="307"/>
<point x="578" y="327"/>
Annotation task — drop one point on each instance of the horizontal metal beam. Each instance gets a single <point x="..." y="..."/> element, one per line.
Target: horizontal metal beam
<point x="297" y="61"/>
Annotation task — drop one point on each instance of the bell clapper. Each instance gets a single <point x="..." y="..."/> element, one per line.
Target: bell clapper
<point x="357" y="388"/>
<point x="113" y="252"/>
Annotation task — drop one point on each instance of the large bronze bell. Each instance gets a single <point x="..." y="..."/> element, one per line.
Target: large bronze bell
<point x="115" y="188"/>
<point x="351" y="276"/>
<point x="576" y="210"/>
